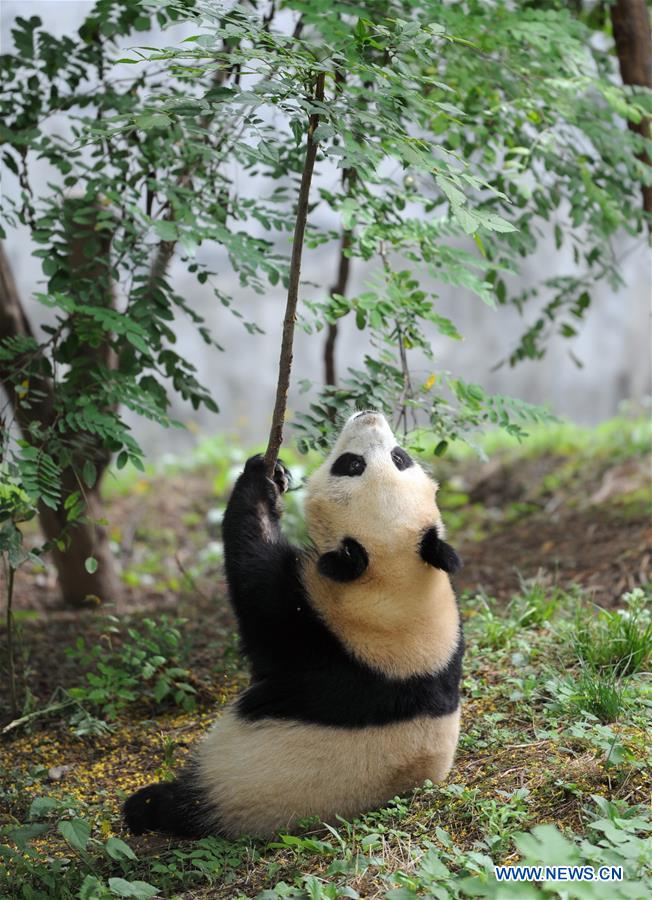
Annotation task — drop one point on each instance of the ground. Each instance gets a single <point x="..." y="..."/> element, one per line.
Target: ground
<point x="555" y="736"/>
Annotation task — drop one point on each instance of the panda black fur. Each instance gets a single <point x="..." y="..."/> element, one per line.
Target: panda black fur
<point x="355" y="649"/>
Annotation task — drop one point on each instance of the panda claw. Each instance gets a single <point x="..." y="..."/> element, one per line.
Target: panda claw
<point x="281" y="478"/>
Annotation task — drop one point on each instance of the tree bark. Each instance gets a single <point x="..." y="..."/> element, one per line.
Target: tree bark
<point x="630" y="20"/>
<point x="341" y="282"/>
<point x="285" y="361"/>
<point x="80" y="588"/>
<point x="82" y="539"/>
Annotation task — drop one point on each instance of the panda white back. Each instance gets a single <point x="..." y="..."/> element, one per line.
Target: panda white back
<point x="355" y="648"/>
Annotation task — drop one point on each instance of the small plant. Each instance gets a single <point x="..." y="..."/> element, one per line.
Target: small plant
<point x="536" y="604"/>
<point x="618" y="640"/>
<point x="495" y="817"/>
<point x="142" y="666"/>
<point x="16" y="507"/>
<point x="491" y="629"/>
<point x="598" y="694"/>
<point x="25" y="865"/>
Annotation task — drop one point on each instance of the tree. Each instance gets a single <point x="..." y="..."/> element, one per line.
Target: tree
<point x="507" y="97"/>
<point x="439" y="123"/>
<point x="106" y="352"/>
<point x="630" y="20"/>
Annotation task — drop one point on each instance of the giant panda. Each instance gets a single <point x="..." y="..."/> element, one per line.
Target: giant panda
<point x="355" y="646"/>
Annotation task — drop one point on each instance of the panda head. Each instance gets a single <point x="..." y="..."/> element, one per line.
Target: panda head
<point x="370" y="489"/>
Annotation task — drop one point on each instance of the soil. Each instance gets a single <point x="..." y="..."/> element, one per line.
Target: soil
<point x="594" y="549"/>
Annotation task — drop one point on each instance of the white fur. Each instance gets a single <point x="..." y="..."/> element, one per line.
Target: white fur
<point x="263" y="776"/>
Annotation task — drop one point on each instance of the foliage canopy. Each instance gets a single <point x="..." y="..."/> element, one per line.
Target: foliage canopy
<point x="440" y="122"/>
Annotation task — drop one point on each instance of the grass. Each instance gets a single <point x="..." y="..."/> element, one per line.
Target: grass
<point x="599" y="695"/>
<point x="619" y="640"/>
<point x="553" y="766"/>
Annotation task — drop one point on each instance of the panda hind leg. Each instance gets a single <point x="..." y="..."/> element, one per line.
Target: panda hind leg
<point x="169" y="807"/>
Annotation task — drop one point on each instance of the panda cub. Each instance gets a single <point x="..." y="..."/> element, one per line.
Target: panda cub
<point x="355" y="648"/>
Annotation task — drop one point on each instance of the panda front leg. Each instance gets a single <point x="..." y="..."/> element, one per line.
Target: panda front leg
<point x="253" y="513"/>
<point x="261" y="571"/>
<point x="347" y="563"/>
<point x="258" y="560"/>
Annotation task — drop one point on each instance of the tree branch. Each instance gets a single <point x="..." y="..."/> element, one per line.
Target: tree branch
<point x="631" y="28"/>
<point x="285" y="361"/>
<point x="341" y="282"/>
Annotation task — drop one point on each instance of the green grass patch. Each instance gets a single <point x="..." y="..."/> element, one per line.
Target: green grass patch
<point x="616" y="640"/>
<point x="553" y="767"/>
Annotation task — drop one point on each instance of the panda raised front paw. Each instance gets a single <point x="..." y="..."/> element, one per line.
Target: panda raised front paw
<point x="255" y="466"/>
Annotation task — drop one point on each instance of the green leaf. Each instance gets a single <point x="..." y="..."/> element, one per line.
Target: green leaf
<point x="76" y="832"/>
<point x="90" y="564"/>
<point x="153" y="120"/>
<point x="140" y="890"/>
<point x="93" y="888"/>
<point x="89" y="473"/>
<point x="137" y="341"/>
<point x="41" y="806"/>
<point x="50" y="266"/>
<point x="166" y="230"/>
<point x="25" y="833"/>
<point x="117" y="849"/>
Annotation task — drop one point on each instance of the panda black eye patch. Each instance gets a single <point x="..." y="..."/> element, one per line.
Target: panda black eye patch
<point x="401" y="459"/>
<point x="349" y="464"/>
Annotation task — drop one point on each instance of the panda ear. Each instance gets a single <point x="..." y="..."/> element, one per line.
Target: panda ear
<point x="346" y="563"/>
<point x="438" y="553"/>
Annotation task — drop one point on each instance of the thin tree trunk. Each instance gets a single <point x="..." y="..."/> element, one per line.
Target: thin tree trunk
<point x="79" y="587"/>
<point x="341" y="282"/>
<point x="11" y="664"/>
<point x="285" y="361"/>
<point x="630" y="20"/>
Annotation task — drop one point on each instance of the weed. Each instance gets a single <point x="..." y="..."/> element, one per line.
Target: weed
<point x="491" y="629"/>
<point x="598" y="694"/>
<point x="137" y="664"/>
<point x="536" y="604"/>
<point x="495" y="817"/>
<point x="617" y="640"/>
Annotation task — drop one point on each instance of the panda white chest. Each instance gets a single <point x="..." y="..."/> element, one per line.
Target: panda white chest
<point x="400" y="617"/>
